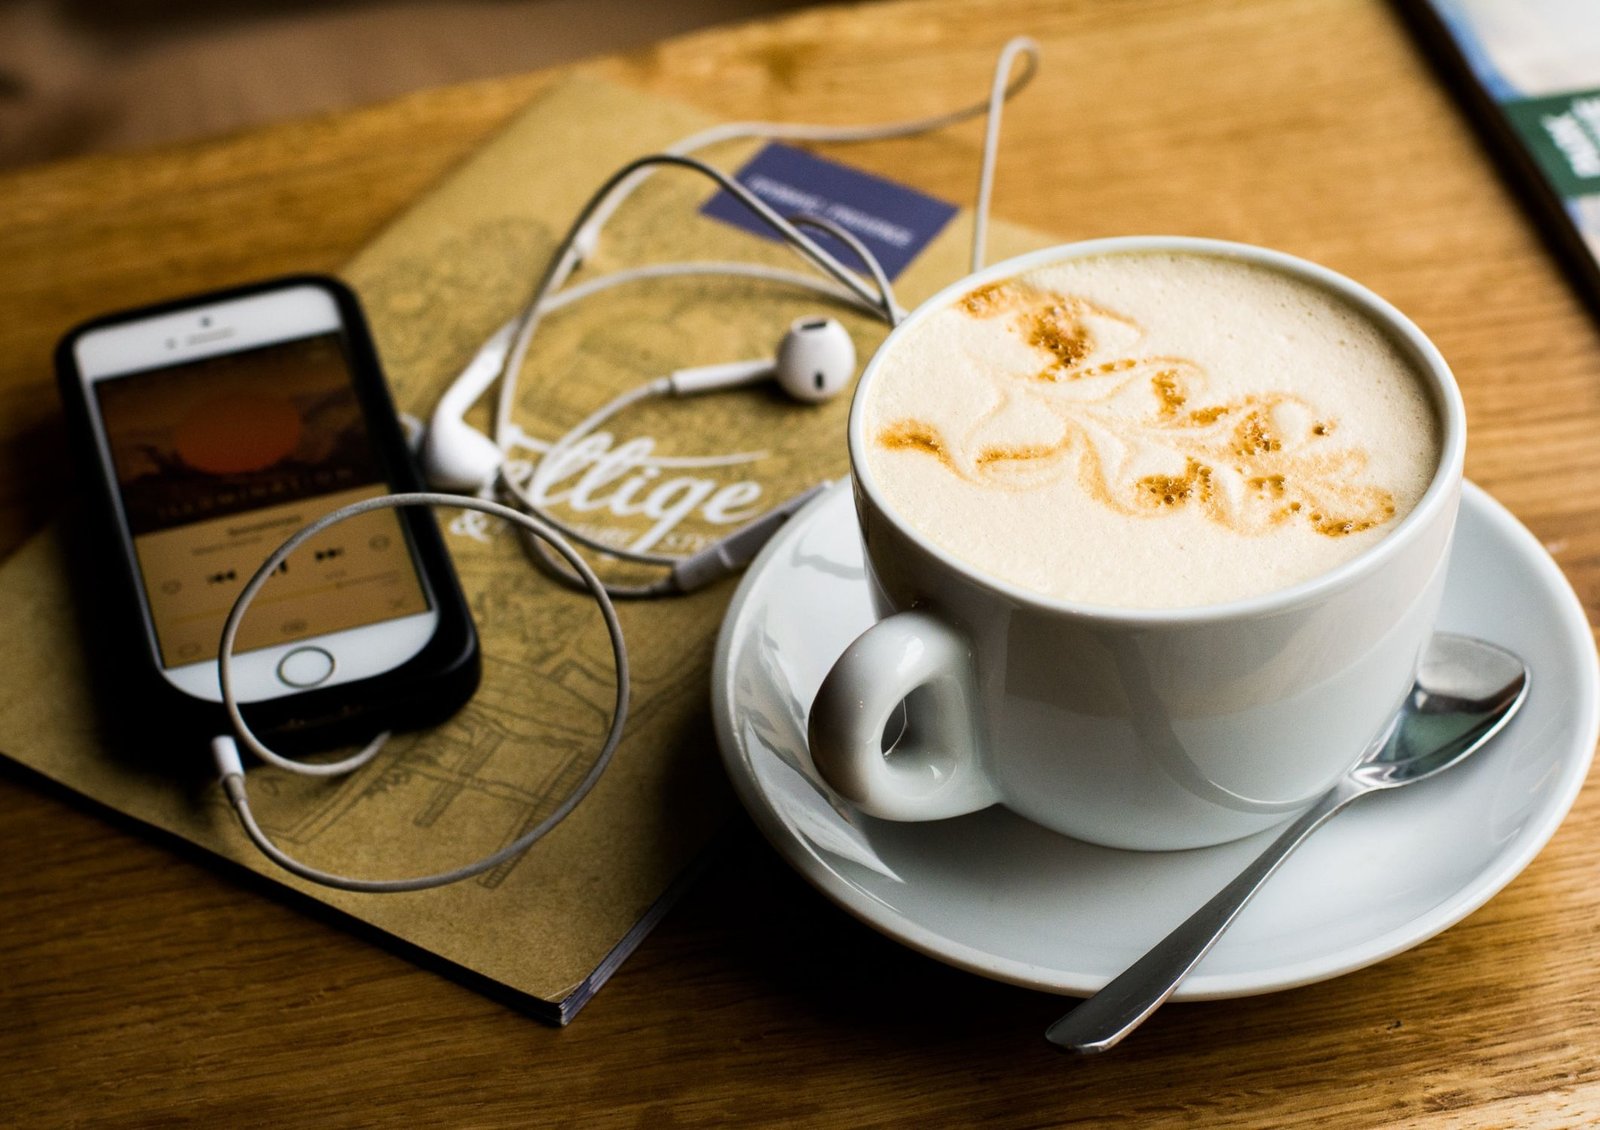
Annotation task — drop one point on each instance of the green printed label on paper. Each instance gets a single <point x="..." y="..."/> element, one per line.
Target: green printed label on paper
<point x="1562" y="131"/>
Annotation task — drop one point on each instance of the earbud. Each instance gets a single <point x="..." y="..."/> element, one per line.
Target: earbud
<point x="815" y="361"/>
<point x="456" y="456"/>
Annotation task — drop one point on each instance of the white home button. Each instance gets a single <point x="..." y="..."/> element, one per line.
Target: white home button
<point x="305" y="667"/>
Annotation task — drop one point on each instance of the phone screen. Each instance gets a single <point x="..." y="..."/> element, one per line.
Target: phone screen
<point x="217" y="461"/>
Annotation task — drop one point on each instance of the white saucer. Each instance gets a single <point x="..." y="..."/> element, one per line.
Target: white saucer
<point x="999" y="896"/>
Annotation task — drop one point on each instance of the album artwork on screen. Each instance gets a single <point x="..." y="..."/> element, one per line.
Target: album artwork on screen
<point x="219" y="460"/>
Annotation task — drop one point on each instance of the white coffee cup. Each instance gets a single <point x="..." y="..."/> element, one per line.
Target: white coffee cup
<point x="1133" y="728"/>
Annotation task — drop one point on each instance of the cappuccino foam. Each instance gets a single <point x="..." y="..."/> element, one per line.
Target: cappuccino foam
<point x="1150" y="430"/>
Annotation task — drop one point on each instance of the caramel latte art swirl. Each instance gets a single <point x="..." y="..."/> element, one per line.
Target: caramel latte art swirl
<point x="1150" y="430"/>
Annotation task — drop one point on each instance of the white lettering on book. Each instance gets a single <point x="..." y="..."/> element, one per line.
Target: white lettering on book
<point x="863" y="224"/>
<point x="1575" y="142"/>
<point x="1588" y="112"/>
<point x="627" y="480"/>
<point x="784" y="194"/>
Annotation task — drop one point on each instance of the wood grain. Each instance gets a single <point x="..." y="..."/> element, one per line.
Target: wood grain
<point x="142" y="988"/>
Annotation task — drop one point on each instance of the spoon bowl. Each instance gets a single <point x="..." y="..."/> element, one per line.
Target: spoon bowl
<point x="1466" y="690"/>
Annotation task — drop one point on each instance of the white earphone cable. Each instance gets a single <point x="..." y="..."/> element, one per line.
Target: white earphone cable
<point x="884" y="306"/>
<point x="887" y="308"/>
<point x="551" y="457"/>
<point x="999" y="92"/>
<point x="532" y="313"/>
<point x="540" y="532"/>
<point x="226" y="753"/>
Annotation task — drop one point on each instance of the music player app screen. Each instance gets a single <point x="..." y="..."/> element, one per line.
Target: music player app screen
<point x="218" y="461"/>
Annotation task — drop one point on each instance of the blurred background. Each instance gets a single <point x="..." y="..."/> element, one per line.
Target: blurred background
<point x="86" y="76"/>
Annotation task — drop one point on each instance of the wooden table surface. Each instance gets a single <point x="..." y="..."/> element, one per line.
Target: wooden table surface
<point x="139" y="987"/>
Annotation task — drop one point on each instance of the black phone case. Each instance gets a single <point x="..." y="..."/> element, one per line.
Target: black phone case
<point x="423" y="691"/>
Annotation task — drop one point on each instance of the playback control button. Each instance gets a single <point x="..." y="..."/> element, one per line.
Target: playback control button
<point x="305" y="667"/>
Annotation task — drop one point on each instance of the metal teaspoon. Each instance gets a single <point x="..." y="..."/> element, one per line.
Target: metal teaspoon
<point x="1466" y="690"/>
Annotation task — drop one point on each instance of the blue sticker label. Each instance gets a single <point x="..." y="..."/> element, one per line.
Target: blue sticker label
<point x="895" y="222"/>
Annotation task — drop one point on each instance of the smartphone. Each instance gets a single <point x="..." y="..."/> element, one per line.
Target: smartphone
<point x="211" y="429"/>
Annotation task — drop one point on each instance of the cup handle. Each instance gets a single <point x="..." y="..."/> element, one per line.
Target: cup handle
<point x="935" y="770"/>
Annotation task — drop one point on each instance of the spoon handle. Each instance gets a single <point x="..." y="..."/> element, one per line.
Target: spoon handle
<point x="1101" y="1022"/>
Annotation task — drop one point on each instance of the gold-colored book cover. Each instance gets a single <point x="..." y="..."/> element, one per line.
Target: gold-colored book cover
<point x="544" y="929"/>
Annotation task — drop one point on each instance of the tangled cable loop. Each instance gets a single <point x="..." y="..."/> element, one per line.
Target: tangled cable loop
<point x="226" y="753"/>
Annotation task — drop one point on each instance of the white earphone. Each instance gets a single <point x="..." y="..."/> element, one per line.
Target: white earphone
<point x="814" y="362"/>
<point x="456" y="456"/>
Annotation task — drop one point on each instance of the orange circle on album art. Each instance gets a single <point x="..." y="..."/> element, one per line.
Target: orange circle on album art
<point x="241" y="432"/>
